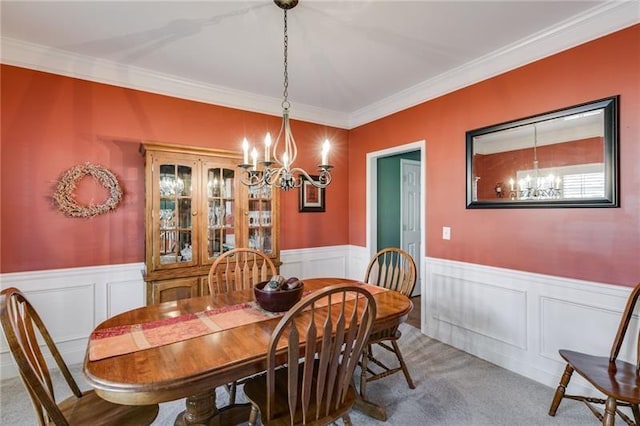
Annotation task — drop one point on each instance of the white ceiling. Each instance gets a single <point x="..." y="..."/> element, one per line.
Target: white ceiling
<point x="350" y="62"/>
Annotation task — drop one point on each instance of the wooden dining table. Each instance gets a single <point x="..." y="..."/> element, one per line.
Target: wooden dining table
<point x="192" y="368"/>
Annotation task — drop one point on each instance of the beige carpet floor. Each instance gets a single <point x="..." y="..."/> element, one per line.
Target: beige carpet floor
<point x="453" y="388"/>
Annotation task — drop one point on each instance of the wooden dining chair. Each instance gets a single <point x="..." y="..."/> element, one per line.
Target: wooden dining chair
<point x="393" y="269"/>
<point x="618" y="380"/>
<point x="25" y="331"/>
<point x="320" y="340"/>
<point x="239" y="269"/>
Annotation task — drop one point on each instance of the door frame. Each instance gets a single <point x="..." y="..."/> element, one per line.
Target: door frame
<point x="372" y="196"/>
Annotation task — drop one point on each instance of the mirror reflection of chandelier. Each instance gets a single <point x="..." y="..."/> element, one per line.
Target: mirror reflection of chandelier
<point x="279" y="171"/>
<point x="535" y="187"/>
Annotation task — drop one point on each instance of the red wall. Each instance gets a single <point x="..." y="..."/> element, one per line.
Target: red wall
<point x="598" y="244"/>
<point x="51" y="123"/>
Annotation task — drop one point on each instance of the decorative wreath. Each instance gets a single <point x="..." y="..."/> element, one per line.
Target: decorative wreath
<point x="64" y="192"/>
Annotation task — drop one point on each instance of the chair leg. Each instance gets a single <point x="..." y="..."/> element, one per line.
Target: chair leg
<point x="232" y="393"/>
<point x="636" y="413"/>
<point x="405" y="370"/>
<point x="609" y="412"/>
<point x="346" y="420"/>
<point x="363" y="372"/>
<point x="253" y="416"/>
<point x="562" y="387"/>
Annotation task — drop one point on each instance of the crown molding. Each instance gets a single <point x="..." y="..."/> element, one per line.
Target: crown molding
<point x="56" y="61"/>
<point x="597" y="22"/>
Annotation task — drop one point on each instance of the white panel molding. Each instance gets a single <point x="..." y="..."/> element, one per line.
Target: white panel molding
<point x="519" y="320"/>
<point x="72" y="302"/>
<point x="570" y="316"/>
<point x="330" y="261"/>
<point x="478" y="307"/>
<point x="358" y="261"/>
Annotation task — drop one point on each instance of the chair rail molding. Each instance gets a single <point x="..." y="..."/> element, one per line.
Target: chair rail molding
<point x="519" y="320"/>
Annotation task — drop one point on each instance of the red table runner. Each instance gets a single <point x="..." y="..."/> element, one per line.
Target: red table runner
<point x="126" y="339"/>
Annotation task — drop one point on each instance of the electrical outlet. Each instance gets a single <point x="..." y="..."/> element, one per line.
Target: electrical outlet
<point x="446" y="233"/>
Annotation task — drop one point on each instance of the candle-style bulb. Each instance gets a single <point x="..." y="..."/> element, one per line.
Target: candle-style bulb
<point x="267" y="147"/>
<point x="245" y="150"/>
<point x="325" y="152"/>
<point x="254" y="157"/>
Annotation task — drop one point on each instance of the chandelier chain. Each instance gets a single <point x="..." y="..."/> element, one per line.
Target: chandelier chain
<point x="285" y="93"/>
<point x="280" y="173"/>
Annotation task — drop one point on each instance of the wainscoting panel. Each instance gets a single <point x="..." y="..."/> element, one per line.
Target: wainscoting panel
<point x="481" y="308"/>
<point x="519" y="320"/>
<point x="315" y="262"/>
<point x="72" y="302"/>
<point x="359" y="258"/>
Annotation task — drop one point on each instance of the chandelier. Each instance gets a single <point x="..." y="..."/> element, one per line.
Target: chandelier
<point x="537" y="187"/>
<point x="277" y="167"/>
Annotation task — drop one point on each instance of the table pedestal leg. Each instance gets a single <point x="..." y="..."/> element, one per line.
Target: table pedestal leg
<point x="200" y="409"/>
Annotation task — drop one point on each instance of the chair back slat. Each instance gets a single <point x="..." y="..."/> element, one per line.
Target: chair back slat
<point x="320" y="364"/>
<point x="25" y="331"/>
<point x="239" y="269"/>
<point x="294" y="354"/>
<point x="393" y="269"/>
<point x="307" y="384"/>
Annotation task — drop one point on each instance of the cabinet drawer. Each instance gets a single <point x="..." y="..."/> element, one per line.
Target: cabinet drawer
<point x="169" y="290"/>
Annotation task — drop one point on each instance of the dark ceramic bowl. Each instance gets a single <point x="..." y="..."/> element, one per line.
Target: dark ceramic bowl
<point x="277" y="301"/>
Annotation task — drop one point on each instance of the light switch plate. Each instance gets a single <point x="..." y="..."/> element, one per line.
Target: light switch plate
<point x="446" y="233"/>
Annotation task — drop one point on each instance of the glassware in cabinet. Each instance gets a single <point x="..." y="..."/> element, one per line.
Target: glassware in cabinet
<point x="221" y="206"/>
<point x="173" y="213"/>
<point x="260" y="215"/>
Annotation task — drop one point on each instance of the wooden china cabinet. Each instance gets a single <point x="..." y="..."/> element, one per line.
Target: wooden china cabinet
<point x="196" y="208"/>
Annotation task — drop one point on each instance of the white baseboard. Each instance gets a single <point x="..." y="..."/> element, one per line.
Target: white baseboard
<point x="519" y="320"/>
<point x="72" y="302"/>
<point x="514" y="319"/>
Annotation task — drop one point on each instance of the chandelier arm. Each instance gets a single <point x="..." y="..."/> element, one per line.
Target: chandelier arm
<point x="290" y="146"/>
<point x="255" y="179"/>
<point x="277" y="159"/>
<point x="323" y="182"/>
<point x="272" y="176"/>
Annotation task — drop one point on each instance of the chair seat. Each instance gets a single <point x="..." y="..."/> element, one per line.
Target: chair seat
<point x="93" y="410"/>
<point x="618" y="379"/>
<point x="254" y="391"/>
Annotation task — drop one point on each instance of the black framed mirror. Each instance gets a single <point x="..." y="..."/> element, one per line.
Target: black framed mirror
<point x="563" y="158"/>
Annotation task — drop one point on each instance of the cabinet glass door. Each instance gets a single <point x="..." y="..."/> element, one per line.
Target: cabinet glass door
<point x="260" y="219"/>
<point x="174" y="214"/>
<point x="221" y="211"/>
